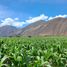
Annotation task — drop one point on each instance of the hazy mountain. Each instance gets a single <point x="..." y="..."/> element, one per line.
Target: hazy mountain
<point x="7" y="30"/>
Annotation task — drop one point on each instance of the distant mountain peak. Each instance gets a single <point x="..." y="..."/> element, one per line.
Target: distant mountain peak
<point x="7" y="30"/>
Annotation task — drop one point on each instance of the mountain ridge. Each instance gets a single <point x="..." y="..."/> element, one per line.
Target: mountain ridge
<point x="56" y="26"/>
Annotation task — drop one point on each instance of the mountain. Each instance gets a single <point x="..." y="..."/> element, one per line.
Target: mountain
<point x="31" y="29"/>
<point x="57" y="26"/>
<point x="7" y="30"/>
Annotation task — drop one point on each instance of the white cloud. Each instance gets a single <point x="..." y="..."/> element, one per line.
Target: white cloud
<point x="15" y="22"/>
<point x="12" y="22"/>
<point x="16" y="18"/>
<point x="62" y="16"/>
<point x="41" y="17"/>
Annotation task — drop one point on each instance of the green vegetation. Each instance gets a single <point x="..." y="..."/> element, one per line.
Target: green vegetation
<point x="33" y="52"/>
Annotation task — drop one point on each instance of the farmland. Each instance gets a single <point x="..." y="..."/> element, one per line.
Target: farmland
<point x="33" y="51"/>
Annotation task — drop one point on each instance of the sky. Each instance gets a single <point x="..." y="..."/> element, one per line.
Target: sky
<point x="22" y="12"/>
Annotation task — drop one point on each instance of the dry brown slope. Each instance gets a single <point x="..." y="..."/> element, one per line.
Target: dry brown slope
<point x="57" y="26"/>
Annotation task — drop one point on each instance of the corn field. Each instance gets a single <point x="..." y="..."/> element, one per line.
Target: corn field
<point x="33" y="52"/>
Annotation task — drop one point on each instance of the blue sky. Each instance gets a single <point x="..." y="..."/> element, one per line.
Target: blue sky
<point x="23" y="9"/>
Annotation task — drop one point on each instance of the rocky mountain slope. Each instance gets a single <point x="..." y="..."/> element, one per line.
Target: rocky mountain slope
<point x="57" y="26"/>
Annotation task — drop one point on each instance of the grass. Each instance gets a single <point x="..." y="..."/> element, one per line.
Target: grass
<point x="49" y="51"/>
